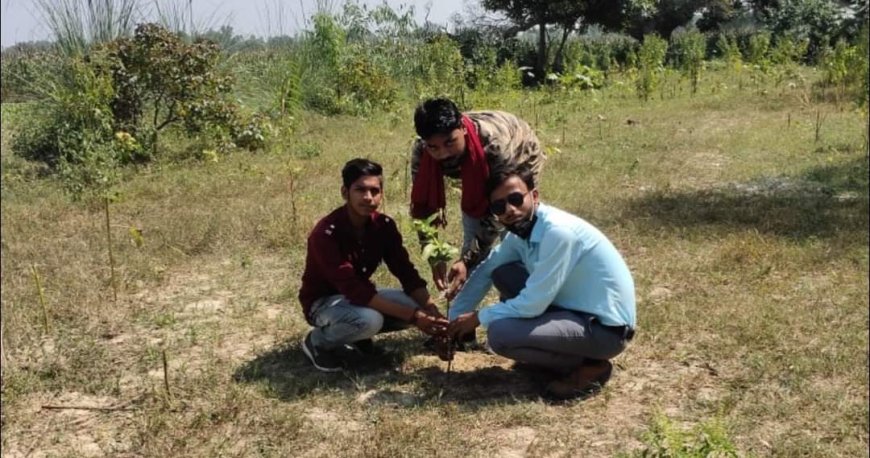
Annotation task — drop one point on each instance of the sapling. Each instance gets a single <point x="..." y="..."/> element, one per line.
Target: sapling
<point x="291" y="187"/>
<point x="166" y="374"/>
<point x="818" y="126"/>
<point x="435" y="250"/>
<point x="41" y="294"/>
<point x="111" y="254"/>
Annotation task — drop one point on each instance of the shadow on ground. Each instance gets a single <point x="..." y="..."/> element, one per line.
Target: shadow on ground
<point x="823" y="202"/>
<point x="286" y="374"/>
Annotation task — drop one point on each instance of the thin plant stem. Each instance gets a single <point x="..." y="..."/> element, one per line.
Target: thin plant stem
<point x="819" y="120"/>
<point x="111" y="253"/>
<point x="41" y="294"/>
<point x="293" y="200"/>
<point x="166" y="374"/>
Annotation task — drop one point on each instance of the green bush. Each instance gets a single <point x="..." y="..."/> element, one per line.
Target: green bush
<point x="606" y="52"/>
<point x="788" y="50"/>
<point x="650" y="65"/>
<point x="688" y="51"/>
<point x="106" y="109"/>
<point x="321" y="54"/>
<point x="757" y="51"/>
<point x="365" y="83"/>
<point x="506" y="76"/>
<point x="74" y="120"/>
<point x="440" y="69"/>
<point x="582" y="77"/>
<point x="161" y="80"/>
<point x="729" y="51"/>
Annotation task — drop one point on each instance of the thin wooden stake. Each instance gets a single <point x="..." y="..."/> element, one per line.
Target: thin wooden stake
<point x="41" y="294"/>
<point x="293" y="201"/>
<point x="819" y="120"/>
<point x="101" y="409"/>
<point x="166" y="374"/>
<point x="111" y="253"/>
<point x="3" y="359"/>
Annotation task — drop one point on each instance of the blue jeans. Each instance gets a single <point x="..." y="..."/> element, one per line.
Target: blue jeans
<point x="338" y="322"/>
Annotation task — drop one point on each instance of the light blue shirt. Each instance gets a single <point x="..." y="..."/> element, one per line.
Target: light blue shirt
<point x="570" y="263"/>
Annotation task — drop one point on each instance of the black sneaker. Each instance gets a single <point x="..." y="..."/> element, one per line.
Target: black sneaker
<point x="368" y="348"/>
<point x="323" y="360"/>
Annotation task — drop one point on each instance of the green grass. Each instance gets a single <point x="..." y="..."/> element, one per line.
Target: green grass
<point x="747" y="238"/>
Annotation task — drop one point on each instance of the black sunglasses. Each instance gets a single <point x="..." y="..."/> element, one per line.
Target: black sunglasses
<point x="498" y="207"/>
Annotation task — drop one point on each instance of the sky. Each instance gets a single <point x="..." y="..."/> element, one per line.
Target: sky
<point x="21" y="20"/>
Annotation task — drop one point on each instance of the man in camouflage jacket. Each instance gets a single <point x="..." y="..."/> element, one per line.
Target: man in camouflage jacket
<point x="449" y="137"/>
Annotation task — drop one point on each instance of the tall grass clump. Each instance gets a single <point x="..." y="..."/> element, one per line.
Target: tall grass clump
<point x="78" y="24"/>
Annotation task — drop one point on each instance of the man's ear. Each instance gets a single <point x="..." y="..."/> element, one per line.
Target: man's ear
<point x="344" y="193"/>
<point x="535" y="196"/>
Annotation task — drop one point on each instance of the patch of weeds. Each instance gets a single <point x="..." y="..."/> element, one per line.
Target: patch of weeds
<point x="163" y="319"/>
<point x="307" y="150"/>
<point x="667" y="439"/>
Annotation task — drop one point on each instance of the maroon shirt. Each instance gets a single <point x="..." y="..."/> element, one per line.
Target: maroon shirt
<point x="339" y="263"/>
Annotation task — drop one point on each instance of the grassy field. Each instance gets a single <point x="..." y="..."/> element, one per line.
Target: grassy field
<point x="742" y="212"/>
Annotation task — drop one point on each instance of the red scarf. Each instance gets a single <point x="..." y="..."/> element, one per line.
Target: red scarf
<point x="427" y="191"/>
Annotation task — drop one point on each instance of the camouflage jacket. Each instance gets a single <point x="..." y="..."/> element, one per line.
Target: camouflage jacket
<point x="505" y="139"/>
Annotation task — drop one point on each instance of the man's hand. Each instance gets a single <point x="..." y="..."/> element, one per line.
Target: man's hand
<point x="457" y="276"/>
<point x="432" y="309"/>
<point x="429" y="323"/>
<point x="439" y="275"/>
<point x="463" y="324"/>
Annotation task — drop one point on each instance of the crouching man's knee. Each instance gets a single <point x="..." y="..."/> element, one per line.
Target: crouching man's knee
<point x="368" y="322"/>
<point x="500" y="338"/>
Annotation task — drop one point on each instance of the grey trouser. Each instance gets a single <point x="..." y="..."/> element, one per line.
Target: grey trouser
<point x="558" y="339"/>
<point x="338" y="322"/>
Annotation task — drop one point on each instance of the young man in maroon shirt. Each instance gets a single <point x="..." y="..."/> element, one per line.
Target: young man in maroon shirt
<point x="344" y="249"/>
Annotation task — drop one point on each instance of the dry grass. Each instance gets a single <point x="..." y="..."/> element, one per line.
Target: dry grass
<point x="748" y="242"/>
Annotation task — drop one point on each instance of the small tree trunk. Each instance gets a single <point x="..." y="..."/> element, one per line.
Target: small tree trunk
<point x="558" y="63"/>
<point x="542" y="51"/>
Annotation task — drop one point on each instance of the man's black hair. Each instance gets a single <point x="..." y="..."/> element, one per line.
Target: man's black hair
<point x="500" y="173"/>
<point x="356" y="168"/>
<point x="436" y="116"/>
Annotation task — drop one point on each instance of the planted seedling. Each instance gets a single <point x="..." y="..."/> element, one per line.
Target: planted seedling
<point x="435" y="250"/>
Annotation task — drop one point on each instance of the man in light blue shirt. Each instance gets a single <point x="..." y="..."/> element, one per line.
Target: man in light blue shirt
<point x="567" y="296"/>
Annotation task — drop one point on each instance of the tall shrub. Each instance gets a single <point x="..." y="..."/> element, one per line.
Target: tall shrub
<point x="160" y="81"/>
<point x="650" y="65"/>
<point x="440" y="69"/>
<point x="689" y="49"/>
